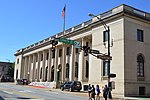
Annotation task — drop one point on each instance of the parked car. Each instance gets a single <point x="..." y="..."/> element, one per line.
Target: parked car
<point x="22" y="81"/>
<point x="71" y="86"/>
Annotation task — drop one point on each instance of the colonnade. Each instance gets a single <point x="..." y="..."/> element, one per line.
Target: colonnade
<point x="50" y="66"/>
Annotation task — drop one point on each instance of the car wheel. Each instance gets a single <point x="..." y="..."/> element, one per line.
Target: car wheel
<point x="78" y="90"/>
<point x="70" y="89"/>
<point x="62" y="88"/>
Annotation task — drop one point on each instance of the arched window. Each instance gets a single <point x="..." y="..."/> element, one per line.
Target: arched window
<point x="106" y="68"/>
<point x="87" y="69"/>
<point x="140" y="66"/>
<point x="76" y="69"/>
<point x="52" y="73"/>
<point x="67" y="70"/>
<point x="17" y="74"/>
<point x="41" y="73"/>
<point x="46" y="73"/>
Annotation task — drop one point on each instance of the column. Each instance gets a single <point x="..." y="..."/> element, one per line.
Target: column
<point x="22" y="67"/>
<point x="43" y="66"/>
<point x="26" y="68"/>
<point x="29" y="68"/>
<point x="63" y="63"/>
<point x="38" y="68"/>
<point x="49" y="65"/>
<point x="81" y="63"/>
<point x="33" y="72"/>
<point x="56" y="64"/>
<point x="71" y="64"/>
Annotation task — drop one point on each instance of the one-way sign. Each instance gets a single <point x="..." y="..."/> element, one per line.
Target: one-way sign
<point x="95" y="51"/>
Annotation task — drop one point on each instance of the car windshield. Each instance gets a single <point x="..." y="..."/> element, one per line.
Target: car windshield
<point x="77" y="83"/>
<point x="69" y="82"/>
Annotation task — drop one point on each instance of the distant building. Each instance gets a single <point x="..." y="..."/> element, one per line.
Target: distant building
<point x="130" y="35"/>
<point x="4" y="66"/>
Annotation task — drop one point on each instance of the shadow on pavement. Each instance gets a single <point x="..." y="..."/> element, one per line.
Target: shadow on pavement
<point x="1" y="98"/>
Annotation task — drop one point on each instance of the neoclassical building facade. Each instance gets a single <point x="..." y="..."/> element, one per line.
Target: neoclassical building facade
<point x="130" y="46"/>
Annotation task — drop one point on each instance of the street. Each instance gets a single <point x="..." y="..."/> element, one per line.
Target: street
<point x="9" y="91"/>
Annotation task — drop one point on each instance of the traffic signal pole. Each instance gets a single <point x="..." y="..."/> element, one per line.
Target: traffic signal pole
<point x="107" y="29"/>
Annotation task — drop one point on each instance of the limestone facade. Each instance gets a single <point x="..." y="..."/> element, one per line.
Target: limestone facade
<point x="130" y="46"/>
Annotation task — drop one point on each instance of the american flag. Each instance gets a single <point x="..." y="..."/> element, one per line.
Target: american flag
<point x="63" y="12"/>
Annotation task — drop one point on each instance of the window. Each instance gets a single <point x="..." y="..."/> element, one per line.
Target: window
<point x="41" y="57"/>
<point x="35" y="74"/>
<point x="87" y="69"/>
<point x="105" y="36"/>
<point x="17" y="74"/>
<point x="41" y="73"/>
<point x="106" y="70"/>
<point x="67" y="70"/>
<point x="52" y="73"/>
<point x="68" y="51"/>
<point x="87" y="43"/>
<point x="47" y="56"/>
<point x="36" y="58"/>
<point x="3" y="68"/>
<point x="53" y="54"/>
<point x="18" y="61"/>
<point x="76" y="69"/>
<point x="140" y="66"/>
<point x="46" y="73"/>
<point x="142" y="90"/>
<point x="77" y="50"/>
<point x="140" y="35"/>
<point x="60" y="52"/>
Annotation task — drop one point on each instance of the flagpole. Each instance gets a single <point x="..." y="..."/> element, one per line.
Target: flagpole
<point x="64" y="24"/>
<point x="64" y="17"/>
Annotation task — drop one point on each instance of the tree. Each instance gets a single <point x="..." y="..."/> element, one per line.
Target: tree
<point x="10" y="72"/>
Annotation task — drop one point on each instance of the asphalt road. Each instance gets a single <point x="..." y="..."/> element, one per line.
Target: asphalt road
<point x="18" y="92"/>
<point x="10" y="91"/>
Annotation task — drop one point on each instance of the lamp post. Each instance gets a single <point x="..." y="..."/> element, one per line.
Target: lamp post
<point x="108" y="52"/>
<point x="28" y="76"/>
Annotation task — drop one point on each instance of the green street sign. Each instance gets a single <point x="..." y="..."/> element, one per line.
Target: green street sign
<point x="67" y="41"/>
<point x="72" y="42"/>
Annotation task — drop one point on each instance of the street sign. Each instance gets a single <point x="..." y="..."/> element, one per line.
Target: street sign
<point x="77" y="44"/>
<point x="72" y="42"/>
<point x="104" y="57"/>
<point x="67" y="41"/>
<point x="95" y="51"/>
<point x="112" y="75"/>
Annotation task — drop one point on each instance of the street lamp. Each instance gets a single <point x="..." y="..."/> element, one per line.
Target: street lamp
<point x="108" y="33"/>
<point x="28" y="76"/>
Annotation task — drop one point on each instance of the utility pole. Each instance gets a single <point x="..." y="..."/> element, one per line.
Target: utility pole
<point x="108" y="52"/>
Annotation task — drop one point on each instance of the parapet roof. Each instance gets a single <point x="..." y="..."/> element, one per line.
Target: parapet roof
<point x="122" y="8"/>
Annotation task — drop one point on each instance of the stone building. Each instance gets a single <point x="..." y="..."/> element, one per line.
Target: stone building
<point x="4" y="67"/>
<point x="130" y="46"/>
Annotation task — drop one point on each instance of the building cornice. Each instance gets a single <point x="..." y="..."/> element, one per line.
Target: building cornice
<point x="106" y="16"/>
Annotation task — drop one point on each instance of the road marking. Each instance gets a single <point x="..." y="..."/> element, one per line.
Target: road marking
<point x="26" y="91"/>
<point x="8" y="92"/>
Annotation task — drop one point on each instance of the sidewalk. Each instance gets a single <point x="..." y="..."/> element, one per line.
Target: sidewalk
<point x="85" y="93"/>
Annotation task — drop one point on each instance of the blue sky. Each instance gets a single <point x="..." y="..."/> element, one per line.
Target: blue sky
<point x="24" y="22"/>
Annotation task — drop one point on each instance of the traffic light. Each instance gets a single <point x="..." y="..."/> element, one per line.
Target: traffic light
<point x="86" y="50"/>
<point x="54" y="43"/>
